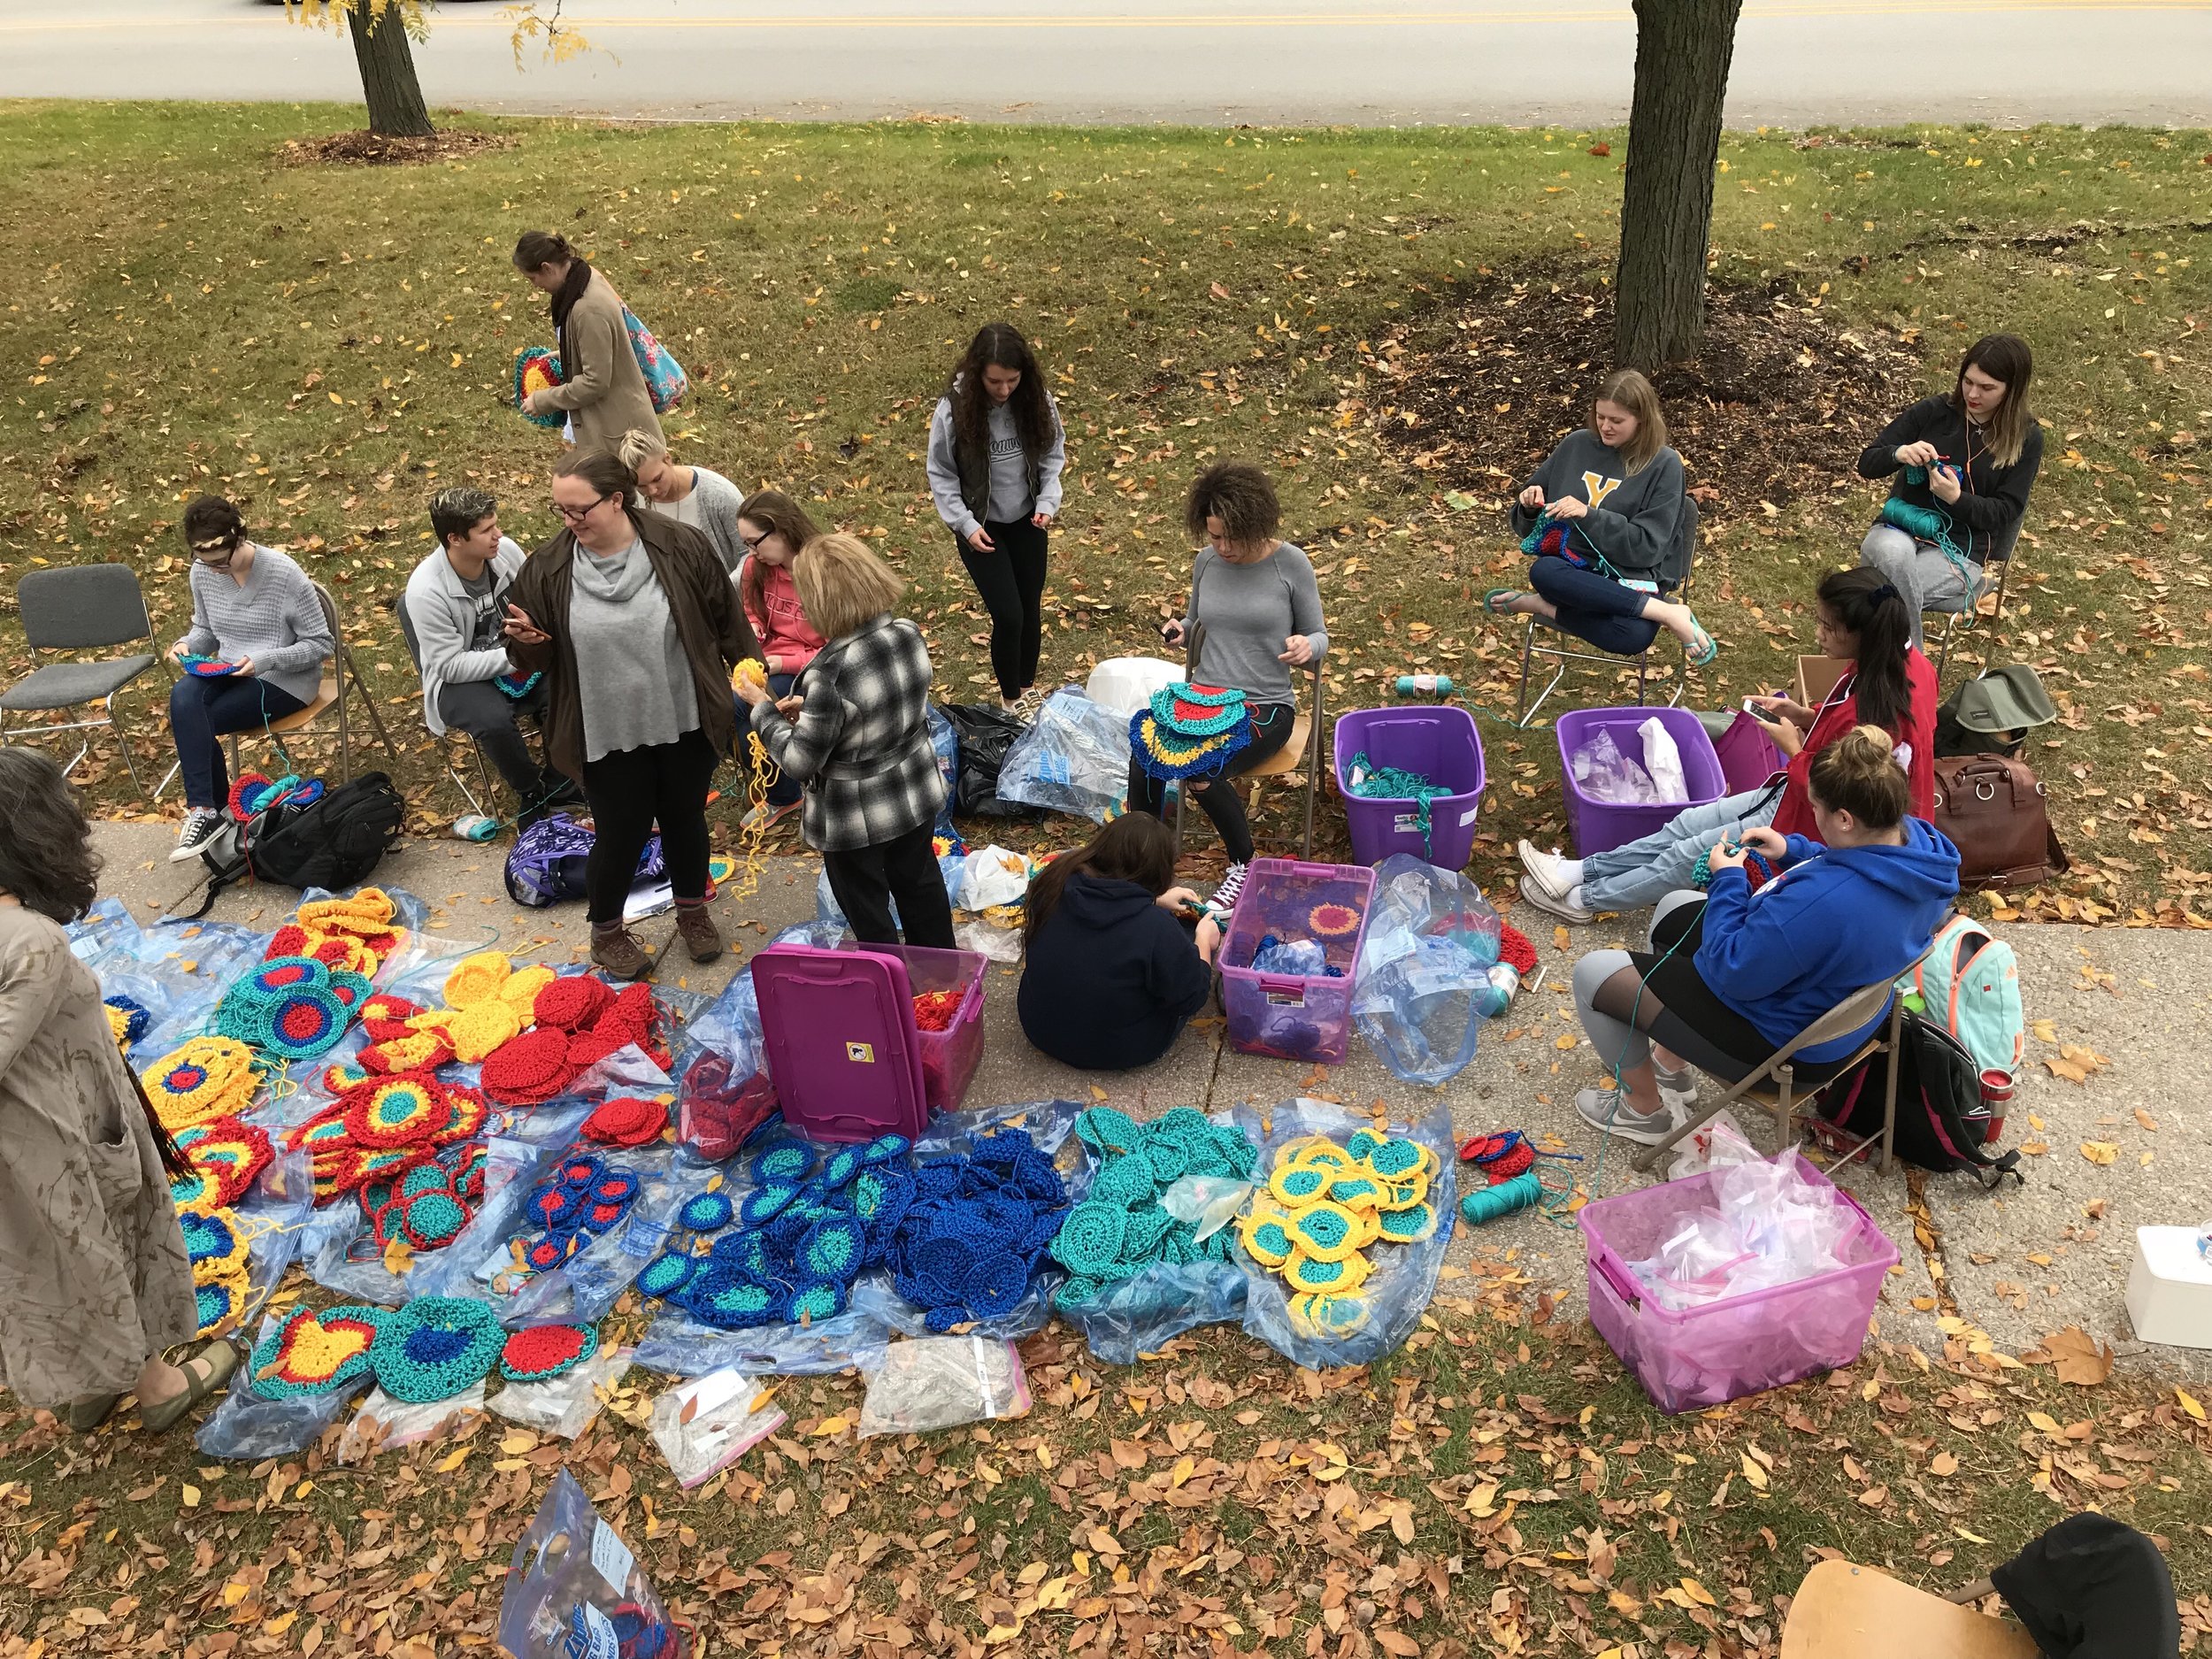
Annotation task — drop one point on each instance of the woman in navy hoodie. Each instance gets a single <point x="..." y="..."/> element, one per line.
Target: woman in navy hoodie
<point x="1733" y="974"/>
<point x="1111" y="972"/>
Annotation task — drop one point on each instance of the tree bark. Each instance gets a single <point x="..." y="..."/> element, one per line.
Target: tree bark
<point x="1683" y="49"/>
<point x="387" y="60"/>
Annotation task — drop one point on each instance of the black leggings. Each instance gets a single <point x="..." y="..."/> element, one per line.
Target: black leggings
<point x="630" y="791"/>
<point x="1012" y="579"/>
<point x="1216" y="797"/>
<point x="866" y="879"/>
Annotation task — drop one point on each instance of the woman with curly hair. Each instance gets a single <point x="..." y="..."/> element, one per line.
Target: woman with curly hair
<point x="995" y="448"/>
<point x="94" y="1279"/>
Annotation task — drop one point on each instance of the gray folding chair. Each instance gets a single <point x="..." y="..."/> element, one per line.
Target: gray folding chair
<point x="81" y="607"/>
<point x="1776" y="1089"/>
<point x="1958" y="614"/>
<point x="1564" y="654"/>
<point x="445" y="744"/>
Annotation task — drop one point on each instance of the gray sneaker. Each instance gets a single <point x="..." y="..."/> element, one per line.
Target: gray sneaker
<point x="1676" y="1089"/>
<point x="1608" y="1112"/>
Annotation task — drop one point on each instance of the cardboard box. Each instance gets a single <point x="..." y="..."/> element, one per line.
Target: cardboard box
<point x="1817" y="677"/>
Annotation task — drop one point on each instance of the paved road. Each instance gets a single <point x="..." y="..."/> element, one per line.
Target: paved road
<point x="1798" y="62"/>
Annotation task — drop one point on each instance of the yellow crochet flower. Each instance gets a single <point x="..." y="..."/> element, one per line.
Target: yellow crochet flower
<point x="482" y="1027"/>
<point x="1311" y="1274"/>
<point x="417" y="1049"/>
<point x="477" y="979"/>
<point x="368" y="911"/>
<point x="520" y="993"/>
<point x="202" y="1078"/>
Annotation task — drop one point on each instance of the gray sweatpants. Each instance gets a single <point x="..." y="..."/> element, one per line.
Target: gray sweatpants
<point x="1618" y="1044"/>
<point x="1923" y="575"/>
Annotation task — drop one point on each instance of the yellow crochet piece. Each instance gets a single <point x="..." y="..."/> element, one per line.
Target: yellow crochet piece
<point x="1326" y="1231"/>
<point x="1324" y="1205"/>
<point x="520" y="993"/>
<point x="1404" y="1194"/>
<point x="1314" y="1151"/>
<point x="477" y="979"/>
<point x="1311" y="1273"/>
<point x="1328" y="1313"/>
<point x="1297" y="1185"/>
<point x="418" y="1049"/>
<point x="1264" y="1234"/>
<point x="482" y="1027"/>
<point x="229" y="1265"/>
<point x="200" y="1079"/>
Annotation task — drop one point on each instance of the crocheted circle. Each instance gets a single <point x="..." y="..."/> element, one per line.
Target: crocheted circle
<point x="128" y="1017"/>
<point x="385" y="1017"/>
<point x="886" y="1149"/>
<point x="218" y="1305"/>
<point x="1333" y="921"/>
<point x="728" y="1300"/>
<point x="397" y="1112"/>
<point x="432" y="1219"/>
<point x="1306" y="1273"/>
<point x="482" y="1027"/>
<point x="666" y="1274"/>
<point x="274" y="978"/>
<point x="528" y="1070"/>
<point x="554" y="1206"/>
<point x="549" y="1250"/>
<point x="416" y="1051"/>
<point x="788" y="1162"/>
<point x="202" y="1078"/>
<point x="536" y="370"/>
<point x="766" y="1201"/>
<point x="1090" y="1239"/>
<point x="546" y="1350"/>
<point x="581" y="1170"/>
<point x="626" y="1120"/>
<point x="571" y="1004"/>
<point x="312" y="1353"/>
<point x="703" y="1212"/>
<point x="520" y="993"/>
<point x="811" y="1302"/>
<point x="434" y="1348"/>
<point x="205" y="667"/>
<point x="1409" y="1225"/>
<point x="216" y="1249"/>
<point x="1394" y="1159"/>
<point x="833" y="1249"/>
<point x="477" y="979"/>
<point x="227" y="1155"/>
<point x="340" y="1077"/>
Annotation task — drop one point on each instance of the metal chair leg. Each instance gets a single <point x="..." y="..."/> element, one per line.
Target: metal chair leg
<point x="368" y="702"/>
<point x="123" y="742"/>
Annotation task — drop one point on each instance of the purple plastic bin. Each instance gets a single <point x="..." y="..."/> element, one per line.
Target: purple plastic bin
<point x="1441" y="743"/>
<point x="1740" y="1344"/>
<point x="843" y="1051"/>
<point x="1748" y="756"/>
<point x="1598" y="825"/>
<point x="1282" y="1015"/>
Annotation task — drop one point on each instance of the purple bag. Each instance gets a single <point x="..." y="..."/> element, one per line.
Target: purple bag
<point x="1748" y="755"/>
<point x="547" y="864"/>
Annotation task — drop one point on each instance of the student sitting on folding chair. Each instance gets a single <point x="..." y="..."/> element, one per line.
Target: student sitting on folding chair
<point x="451" y="616"/>
<point x="254" y="654"/>
<point x="1734" y="974"/>
<point x="1606" y="505"/>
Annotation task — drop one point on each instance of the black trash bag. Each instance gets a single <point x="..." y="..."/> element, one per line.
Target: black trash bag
<point x="984" y="735"/>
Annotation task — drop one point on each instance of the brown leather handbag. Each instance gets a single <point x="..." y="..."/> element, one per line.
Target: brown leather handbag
<point x="1992" y="809"/>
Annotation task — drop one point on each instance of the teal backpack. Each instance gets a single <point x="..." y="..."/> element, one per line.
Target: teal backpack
<point x="1969" y="983"/>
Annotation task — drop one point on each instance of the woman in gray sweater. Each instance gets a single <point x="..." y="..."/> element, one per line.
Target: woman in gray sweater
<point x="256" y="611"/>
<point x="704" y="500"/>
<point x="1255" y="612"/>
<point x="1613" y="492"/>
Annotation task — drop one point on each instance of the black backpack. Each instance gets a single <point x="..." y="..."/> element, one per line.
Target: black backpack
<point x="1941" y="1117"/>
<point x="333" y="843"/>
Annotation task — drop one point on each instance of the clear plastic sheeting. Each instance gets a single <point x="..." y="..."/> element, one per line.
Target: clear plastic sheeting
<point x="1766" y="1225"/>
<point x="1075" y="758"/>
<point x="385" y="1424"/>
<point x="704" y="1426"/>
<point x="247" y="1426"/>
<point x="1424" y="981"/>
<point x="1604" y="773"/>
<point x="1133" y="1319"/>
<point x="1397" y="1292"/>
<point x="940" y="1382"/>
<point x="1663" y="759"/>
<point x="563" y="1406"/>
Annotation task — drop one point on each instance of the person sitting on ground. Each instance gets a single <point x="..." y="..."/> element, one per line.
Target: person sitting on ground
<point x="1975" y="453"/>
<point x="772" y="529"/>
<point x="95" y="1281"/>
<point x="602" y="390"/>
<point x="1110" y="975"/>
<point x="254" y="609"/>
<point x="1615" y="489"/>
<point x="1733" y="974"/>
<point x="1862" y="620"/>
<point x="452" y="615"/>
<point x="1256" y="613"/>
<point x="704" y="500"/>
<point x="856" y="734"/>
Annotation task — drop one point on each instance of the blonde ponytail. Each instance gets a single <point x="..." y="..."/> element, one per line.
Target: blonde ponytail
<point x="1858" y="774"/>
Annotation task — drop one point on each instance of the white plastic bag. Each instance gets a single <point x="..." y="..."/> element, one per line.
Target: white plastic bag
<point x="940" y="1382"/>
<point x="1717" y="1143"/>
<point x="990" y="876"/>
<point x="1126" y="684"/>
<point x="1663" y="759"/>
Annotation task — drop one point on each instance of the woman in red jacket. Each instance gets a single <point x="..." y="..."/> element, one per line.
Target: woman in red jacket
<point x="1864" y="620"/>
<point x="774" y="528"/>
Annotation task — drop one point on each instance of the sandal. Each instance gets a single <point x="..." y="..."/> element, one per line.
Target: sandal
<point x="222" y="1360"/>
<point x="88" y="1414"/>
<point x="1490" y="601"/>
<point x="1701" y="655"/>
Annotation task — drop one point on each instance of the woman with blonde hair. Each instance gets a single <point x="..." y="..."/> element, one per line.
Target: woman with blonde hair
<point x="855" y="731"/>
<point x="694" y="496"/>
<point x="1613" y="492"/>
<point x="1959" y="469"/>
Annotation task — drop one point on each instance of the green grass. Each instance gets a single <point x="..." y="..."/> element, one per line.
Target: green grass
<point x="329" y="344"/>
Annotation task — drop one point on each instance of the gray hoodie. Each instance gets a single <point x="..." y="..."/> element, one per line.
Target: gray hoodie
<point x="1634" y="520"/>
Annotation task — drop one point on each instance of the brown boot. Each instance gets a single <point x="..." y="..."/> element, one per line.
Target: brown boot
<point x="616" y="952"/>
<point x="694" y="926"/>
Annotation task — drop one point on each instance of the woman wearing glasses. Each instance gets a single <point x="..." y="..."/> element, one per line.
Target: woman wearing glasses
<point x="257" y="617"/>
<point x="773" y="528"/>
<point x="632" y="620"/>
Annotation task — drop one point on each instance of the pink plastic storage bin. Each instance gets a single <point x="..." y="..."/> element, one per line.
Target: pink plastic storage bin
<point x="949" y="1057"/>
<point x="1597" y="826"/>
<point x="1740" y="1344"/>
<point x="1748" y="755"/>
<point x="1441" y="744"/>
<point x="1281" y="1015"/>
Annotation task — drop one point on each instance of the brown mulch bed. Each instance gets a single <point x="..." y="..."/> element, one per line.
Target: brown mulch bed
<point x="373" y="150"/>
<point x="1778" y="404"/>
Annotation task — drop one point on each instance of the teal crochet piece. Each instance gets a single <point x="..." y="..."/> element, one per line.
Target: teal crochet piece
<point x="1121" y="1229"/>
<point x="1372" y="782"/>
<point x="434" y="1348"/>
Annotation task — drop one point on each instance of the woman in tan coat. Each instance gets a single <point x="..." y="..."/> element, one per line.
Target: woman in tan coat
<point x="94" y="1279"/>
<point x="603" y="392"/>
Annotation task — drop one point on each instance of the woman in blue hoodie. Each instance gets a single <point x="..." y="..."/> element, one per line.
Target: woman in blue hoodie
<point x="1733" y="974"/>
<point x="1111" y="972"/>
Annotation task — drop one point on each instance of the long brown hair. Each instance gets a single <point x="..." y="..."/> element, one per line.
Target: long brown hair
<point x="1632" y="391"/>
<point x="779" y="515"/>
<point x="1858" y="774"/>
<point x="2006" y="358"/>
<point x="1001" y="345"/>
<point x="1135" y="847"/>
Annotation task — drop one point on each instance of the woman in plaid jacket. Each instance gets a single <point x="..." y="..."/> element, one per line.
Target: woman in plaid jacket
<point x="855" y="732"/>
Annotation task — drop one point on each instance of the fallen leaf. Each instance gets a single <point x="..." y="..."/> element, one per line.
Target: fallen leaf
<point x="2189" y="1403"/>
<point x="2043" y="1422"/>
<point x="2079" y="1357"/>
<point x="2100" y="1151"/>
<point x="1943" y="1464"/>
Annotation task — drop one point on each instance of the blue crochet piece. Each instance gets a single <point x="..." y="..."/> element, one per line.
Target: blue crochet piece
<point x="886" y="1150"/>
<point x="726" y="1299"/>
<point x="813" y="1302"/>
<point x="666" y="1274"/>
<point x="784" y="1164"/>
<point x="837" y="1171"/>
<point x="767" y="1200"/>
<point x="705" y="1213"/>
<point x="832" y="1250"/>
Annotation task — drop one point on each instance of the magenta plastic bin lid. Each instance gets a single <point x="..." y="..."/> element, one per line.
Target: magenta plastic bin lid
<point x="842" y="1050"/>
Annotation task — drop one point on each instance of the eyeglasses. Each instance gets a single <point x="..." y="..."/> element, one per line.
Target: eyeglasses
<point x="752" y="542"/>
<point x="577" y="515"/>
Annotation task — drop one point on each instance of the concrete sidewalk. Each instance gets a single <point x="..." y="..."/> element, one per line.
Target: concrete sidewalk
<point x="2021" y="1262"/>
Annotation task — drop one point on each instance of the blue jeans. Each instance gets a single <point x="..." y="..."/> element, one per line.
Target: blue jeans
<point x="201" y="710"/>
<point x="1646" y="869"/>
<point x="784" y="791"/>
<point x="1594" y="607"/>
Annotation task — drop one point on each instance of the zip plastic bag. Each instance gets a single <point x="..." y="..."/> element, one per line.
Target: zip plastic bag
<point x="705" y="1425"/>
<point x="1663" y="759"/>
<point x="1073" y="759"/>
<point x="940" y="1382"/>
<point x="248" y="1427"/>
<point x="1423" y="983"/>
<point x="385" y="1424"/>
<point x="1603" y="773"/>
<point x="573" y="1589"/>
<point x="564" y="1405"/>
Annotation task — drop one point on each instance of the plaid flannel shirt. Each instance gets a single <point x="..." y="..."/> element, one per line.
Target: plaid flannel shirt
<point x="861" y="742"/>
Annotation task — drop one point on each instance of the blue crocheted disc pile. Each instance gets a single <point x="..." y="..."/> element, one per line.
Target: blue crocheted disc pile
<point x="583" y="1199"/>
<point x="975" y="1235"/>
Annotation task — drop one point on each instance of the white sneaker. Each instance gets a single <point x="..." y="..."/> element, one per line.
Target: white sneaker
<point x="1546" y="870"/>
<point x="200" y="826"/>
<point x="1225" y="891"/>
<point x="1560" y="905"/>
<point x="1608" y="1112"/>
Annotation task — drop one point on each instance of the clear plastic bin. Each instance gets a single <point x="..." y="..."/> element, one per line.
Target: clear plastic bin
<point x="1598" y="826"/>
<point x="1280" y="1015"/>
<point x="1739" y="1345"/>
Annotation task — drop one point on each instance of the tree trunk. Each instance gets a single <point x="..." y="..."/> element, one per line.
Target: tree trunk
<point x="1683" y="49"/>
<point x="388" y="72"/>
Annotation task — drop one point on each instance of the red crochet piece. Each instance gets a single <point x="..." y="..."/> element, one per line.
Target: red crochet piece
<point x="1514" y="950"/>
<point x="289" y="940"/>
<point x="529" y="1070"/>
<point x="626" y="1120"/>
<point x="632" y="1012"/>
<point x="385" y="1017"/>
<point x="571" y="1004"/>
<point x="933" y="1011"/>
